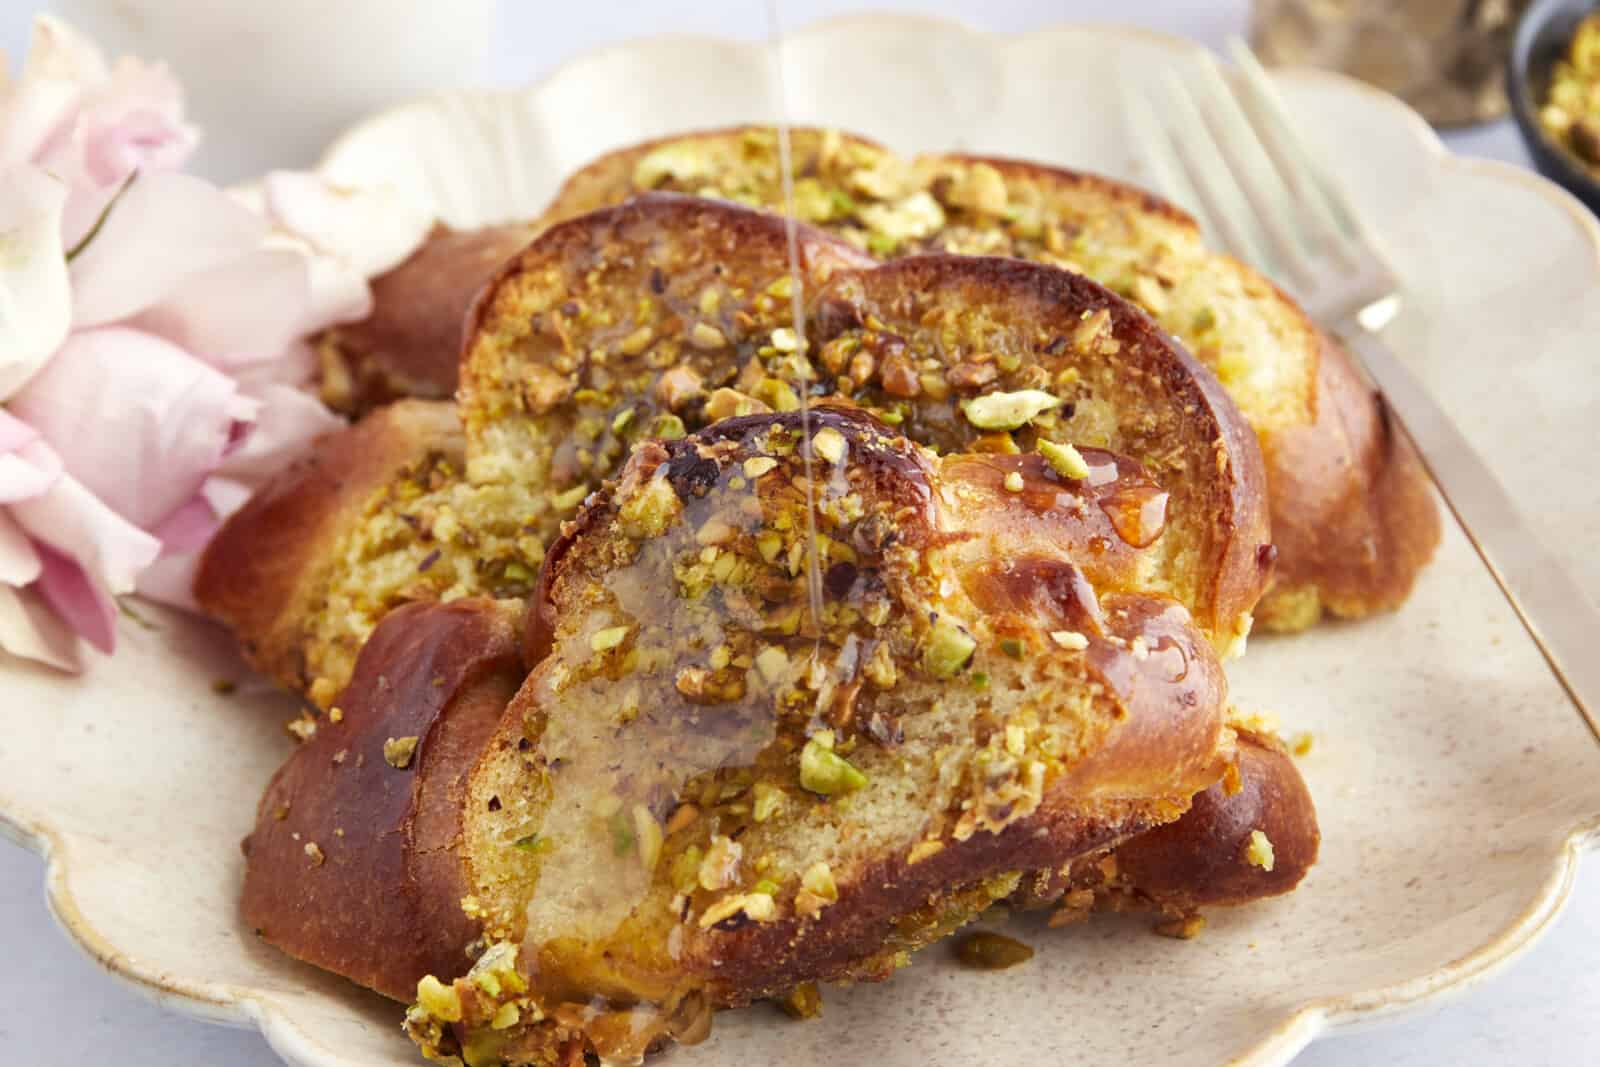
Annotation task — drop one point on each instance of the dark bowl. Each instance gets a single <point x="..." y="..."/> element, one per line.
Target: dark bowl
<point x="1541" y="39"/>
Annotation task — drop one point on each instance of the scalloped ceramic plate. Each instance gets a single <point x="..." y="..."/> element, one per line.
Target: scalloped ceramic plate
<point x="1456" y="786"/>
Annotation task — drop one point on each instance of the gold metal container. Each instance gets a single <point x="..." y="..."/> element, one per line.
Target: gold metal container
<point x="1446" y="58"/>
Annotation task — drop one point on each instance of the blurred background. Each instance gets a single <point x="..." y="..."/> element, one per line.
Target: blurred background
<point x="272" y="83"/>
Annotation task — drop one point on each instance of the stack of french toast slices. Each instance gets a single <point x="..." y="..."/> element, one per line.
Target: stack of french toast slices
<point x="705" y="604"/>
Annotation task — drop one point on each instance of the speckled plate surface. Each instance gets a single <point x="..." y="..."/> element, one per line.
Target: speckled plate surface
<point x="1456" y="787"/>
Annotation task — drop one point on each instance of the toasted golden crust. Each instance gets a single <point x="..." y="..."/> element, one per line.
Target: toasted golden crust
<point x="1207" y="858"/>
<point x="1353" y="513"/>
<point x="353" y="864"/>
<point x="264" y="573"/>
<point x="410" y="344"/>
<point x="973" y="727"/>
<point x="1353" y="517"/>
<point x="1124" y="386"/>
<point x="1215" y="858"/>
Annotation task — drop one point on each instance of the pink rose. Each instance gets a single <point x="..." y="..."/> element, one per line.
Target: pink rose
<point x="149" y="385"/>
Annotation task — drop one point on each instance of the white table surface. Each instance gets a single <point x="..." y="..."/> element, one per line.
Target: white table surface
<point x="1543" y="1010"/>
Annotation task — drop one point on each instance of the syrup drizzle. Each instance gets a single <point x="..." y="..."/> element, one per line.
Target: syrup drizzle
<point x="802" y="385"/>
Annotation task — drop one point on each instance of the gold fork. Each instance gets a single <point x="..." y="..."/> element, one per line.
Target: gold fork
<point x="1227" y="148"/>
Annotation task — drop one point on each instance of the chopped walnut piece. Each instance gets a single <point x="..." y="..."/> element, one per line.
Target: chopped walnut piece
<point x="899" y="376"/>
<point x="678" y="386"/>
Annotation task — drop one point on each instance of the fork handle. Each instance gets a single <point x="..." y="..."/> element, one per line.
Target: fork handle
<point x="1554" y="609"/>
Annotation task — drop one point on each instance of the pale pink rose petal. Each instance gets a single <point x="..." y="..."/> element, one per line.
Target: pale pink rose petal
<point x="29" y="630"/>
<point x="370" y="229"/>
<point x="188" y="528"/>
<point x="165" y="229"/>
<point x="60" y="64"/>
<point x="84" y="606"/>
<point x="137" y="420"/>
<point x="76" y="523"/>
<point x="170" y="581"/>
<point x="130" y="120"/>
<point x="288" y="424"/>
<point x="28" y="466"/>
<point x="294" y="366"/>
<point x="28" y="471"/>
<point x="134" y="121"/>
<point x="339" y="293"/>
<point x="242" y="312"/>
<point x="183" y="535"/>
<point x="19" y="563"/>
<point x="35" y="298"/>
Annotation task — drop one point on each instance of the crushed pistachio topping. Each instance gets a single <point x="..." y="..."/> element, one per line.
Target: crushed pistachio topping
<point x="1184" y="928"/>
<point x="768" y="800"/>
<point x="981" y="188"/>
<point x="706" y="336"/>
<point x="756" y="466"/>
<point x="1258" y="851"/>
<point x="439" y="1000"/>
<point x="647" y="834"/>
<point x="532" y="843"/>
<point x="1008" y="411"/>
<point x="322" y="692"/>
<point x="756" y="906"/>
<point x="398" y="751"/>
<point x="568" y="499"/>
<point x="818" y="879"/>
<point x="1070" y="639"/>
<point x="987" y="951"/>
<point x="784" y="339"/>
<point x="830" y="444"/>
<point x="496" y="970"/>
<point x="1064" y="459"/>
<point x="822" y="770"/>
<point x="651" y="510"/>
<point x="675" y="159"/>
<point x="1013" y="482"/>
<point x="948" y="648"/>
<point x="668" y="427"/>
<point x="773" y="663"/>
<point x="314" y="853"/>
<point x="802" y="1002"/>
<point x="607" y="639"/>
<point x="918" y="215"/>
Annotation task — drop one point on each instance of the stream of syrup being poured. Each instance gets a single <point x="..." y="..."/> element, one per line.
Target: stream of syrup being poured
<point x="802" y="384"/>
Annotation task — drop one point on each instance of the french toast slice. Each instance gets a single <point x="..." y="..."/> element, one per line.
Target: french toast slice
<point x="353" y="863"/>
<point x="378" y="516"/>
<point x="711" y="790"/>
<point x="356" y="863"/>
<point x="1354" y="518"/>
<point x="960" y="353"/>
<point x="409" y="345"/>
